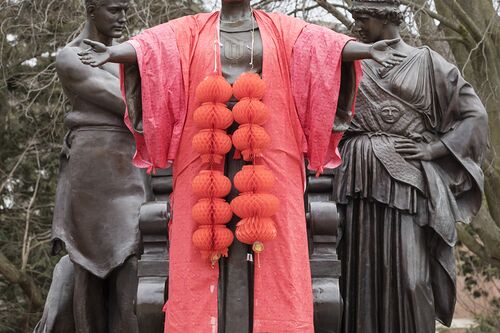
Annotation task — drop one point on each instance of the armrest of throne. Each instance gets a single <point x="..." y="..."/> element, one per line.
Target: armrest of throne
<point x="152" y="269"/>
<point x="323" y="221"/>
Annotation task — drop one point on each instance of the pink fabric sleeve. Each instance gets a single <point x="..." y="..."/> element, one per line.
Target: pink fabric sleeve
<point x="316" y="78"/>
<point x="163" y="100"/>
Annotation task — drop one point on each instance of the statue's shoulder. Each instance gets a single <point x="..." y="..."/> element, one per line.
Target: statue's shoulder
<point x="70" y="70"/>
<point x="288" y="28"/>
<point x="281" y="19"/>
<point x="440" y="65"/>
<point x="426" y="51"/>
<point x="67" y="61"/>
<point x="181" y="24"/>
<point x="190" y="21"/>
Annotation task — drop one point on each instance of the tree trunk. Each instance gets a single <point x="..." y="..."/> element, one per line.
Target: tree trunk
<point x="480" y="64"/>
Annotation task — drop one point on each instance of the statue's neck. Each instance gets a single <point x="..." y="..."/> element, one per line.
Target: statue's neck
<point x="236" y="11"/>
<point x="90" y="32"/>
<point x="391" y="31"/>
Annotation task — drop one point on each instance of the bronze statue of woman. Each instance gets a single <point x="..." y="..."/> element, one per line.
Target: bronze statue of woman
<point x="411" y="170"/>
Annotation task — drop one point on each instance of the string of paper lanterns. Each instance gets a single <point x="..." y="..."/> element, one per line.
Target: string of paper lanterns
<point x="254" y="205"/>
<point x="212" y="212"/>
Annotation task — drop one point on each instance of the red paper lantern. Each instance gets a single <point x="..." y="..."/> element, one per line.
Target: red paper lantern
<point x="254" y="178"/>
<point x="213" y="115"/>
<point x="214" y="89"/>
<point x="211" y="184"/>
<point x="212" y="145"/>
<point x="208" y="211"/>
<point x="251" y="140"/>
<point x="249" y="85"/>
<point x="256" y="229"/>
<point x="214" y="241"/>
<point x="255" y="204"/>
<point x="250" y="111"/>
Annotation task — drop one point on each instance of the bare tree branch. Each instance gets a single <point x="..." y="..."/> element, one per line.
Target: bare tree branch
<point x="18" y="163"/>
<point x="453" y="25"/>
<point x="15" y="276"/>
<point x="332" y="9"/>
<point x="26" y="239"/>
<point x="472" y="244"/>
<point x="465" y="19"/>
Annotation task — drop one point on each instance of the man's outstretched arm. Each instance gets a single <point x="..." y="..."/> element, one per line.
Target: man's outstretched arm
<point x="92" y="85"/>
<point x="381" y="52"/>
<point x="98" y="54"/>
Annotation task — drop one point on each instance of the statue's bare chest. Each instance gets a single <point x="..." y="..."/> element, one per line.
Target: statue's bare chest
<point x="236" y="51"/>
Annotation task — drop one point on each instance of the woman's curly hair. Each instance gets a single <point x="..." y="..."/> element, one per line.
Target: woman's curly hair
<point x="391" y="14"/>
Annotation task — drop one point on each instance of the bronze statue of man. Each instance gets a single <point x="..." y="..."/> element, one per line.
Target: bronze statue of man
<point x="308" y="71"/>
<point x="411" y="170"/>
<point x="99" y="191"/>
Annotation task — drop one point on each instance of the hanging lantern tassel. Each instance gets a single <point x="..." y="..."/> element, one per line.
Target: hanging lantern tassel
<point x="255" y="231"/>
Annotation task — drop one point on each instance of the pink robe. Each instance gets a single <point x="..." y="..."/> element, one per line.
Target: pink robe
<point x="301" y="67"/>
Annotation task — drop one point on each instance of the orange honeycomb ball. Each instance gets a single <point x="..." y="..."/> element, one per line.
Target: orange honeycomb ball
<point x="251" y="140"/>
<point x="214" y="89"/>
<point x="255" y="204"/>
<point x="256" y="229"/>
<point x="213" y="115"/>
<point x="254" y="178"/>
<point x="208" y="211"/>
<point x="214" y="239"/>
<point x="212" y="145"/>
<point x="211" y="184"/>
<point x="250" y="111"/>
<point x="249" y="85"/>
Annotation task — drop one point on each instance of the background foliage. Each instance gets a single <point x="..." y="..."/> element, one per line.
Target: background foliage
<point x="32" y="108"/>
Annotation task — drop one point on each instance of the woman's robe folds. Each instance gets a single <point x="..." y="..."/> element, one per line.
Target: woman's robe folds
<point x="302" y="70"/>
<point x="399" y="215"/>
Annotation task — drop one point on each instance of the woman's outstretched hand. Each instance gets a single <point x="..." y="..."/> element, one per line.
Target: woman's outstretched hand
<point x="384" y="54"/>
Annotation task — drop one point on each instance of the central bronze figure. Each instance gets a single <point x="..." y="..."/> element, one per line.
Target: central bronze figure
<point x="310" y="73"/>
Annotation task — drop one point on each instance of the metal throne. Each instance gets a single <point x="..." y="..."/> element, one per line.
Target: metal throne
<point x="322" y="219"/>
